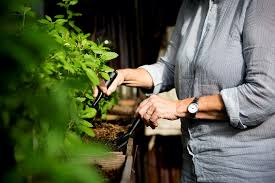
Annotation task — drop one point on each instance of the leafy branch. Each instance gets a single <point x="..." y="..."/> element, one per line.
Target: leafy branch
<point x="77" y="57"/>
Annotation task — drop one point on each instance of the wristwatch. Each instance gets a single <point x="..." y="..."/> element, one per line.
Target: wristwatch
<point x="193" y="107"/>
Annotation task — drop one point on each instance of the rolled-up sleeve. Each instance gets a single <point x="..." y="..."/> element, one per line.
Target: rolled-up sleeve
<point x="253" y="102"/>
<point x="162" y="74"/>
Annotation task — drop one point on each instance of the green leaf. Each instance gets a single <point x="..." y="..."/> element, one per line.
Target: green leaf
<point x="49" y="68"/>
<point x="43" y="21"/>
<point x="70" y="14"/>
<point x="77" y="29"/>
<point x="97" y="50"/>
<point x="89" y="58"/>
<point x="92" y="76"/>
<point x="87" y="130"/>
<point x="26" y="9"/>
<point x="104" y="75"/>
<point x="86" y="123"/>
<point x="89" y="96"/>
<point x="61" y="21"/>
<point x="48" y="18"/>
<point x="77" y="14"/>
<point x="61" y="56"/>
<point x="72" y="138"/>
<point x="106" y="68"/>
<point x="91" y="64"/>
<point x="59" y="16"/>
<point x="86" y="44"/>
<point x="80" y="99"/>
<point x="69" y="68"/>
<point x="61" y="4"/>
<point x="108" y="56"/>
<point x="73" y="2"/>
<point x="88" y="113"/>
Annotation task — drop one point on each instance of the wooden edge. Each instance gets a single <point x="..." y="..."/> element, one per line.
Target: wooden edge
<point x="111" y="164"/>
<point x="130" y="146"/>
<point x="107" y="163"/>
<point x="127" y="171"/>
<point x="126" y="174"/>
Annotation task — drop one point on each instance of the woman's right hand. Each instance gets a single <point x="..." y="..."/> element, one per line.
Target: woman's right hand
<point x="117" y="82"/>
<point x="130" y="77"/>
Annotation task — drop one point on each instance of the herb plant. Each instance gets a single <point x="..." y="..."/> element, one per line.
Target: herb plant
<point x="46" y="76"/>
<point x="77" y="57"/>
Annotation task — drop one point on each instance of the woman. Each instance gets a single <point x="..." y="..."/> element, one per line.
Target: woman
<point x="222" y="58"/>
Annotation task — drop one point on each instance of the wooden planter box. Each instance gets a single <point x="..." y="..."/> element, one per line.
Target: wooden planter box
<point x="117" y="166"/>
<point x="128" y="173"/>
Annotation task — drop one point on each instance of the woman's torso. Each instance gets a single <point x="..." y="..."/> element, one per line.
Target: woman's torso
<point x="214" y="62"/>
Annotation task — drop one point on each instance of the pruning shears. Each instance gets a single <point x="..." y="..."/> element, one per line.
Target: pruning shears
<point x="121" y="141"/>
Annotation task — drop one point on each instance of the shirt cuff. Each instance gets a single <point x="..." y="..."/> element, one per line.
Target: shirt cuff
<point x="231" y="102"/>
<point x="154" y="71"/>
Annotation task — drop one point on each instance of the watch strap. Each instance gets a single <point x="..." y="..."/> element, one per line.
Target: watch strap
<point x="195" y="100"/>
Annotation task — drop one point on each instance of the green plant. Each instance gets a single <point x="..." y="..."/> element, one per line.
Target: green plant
<point x="77" y="57"/>
<point x="41" y="95"/>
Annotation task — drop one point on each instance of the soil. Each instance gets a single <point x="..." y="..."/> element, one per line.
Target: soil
<point x="117" y="122"/>
<point x="107" y="133"/>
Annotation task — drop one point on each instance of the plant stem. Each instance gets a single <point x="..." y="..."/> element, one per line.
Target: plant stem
<point x="24" y="19"/>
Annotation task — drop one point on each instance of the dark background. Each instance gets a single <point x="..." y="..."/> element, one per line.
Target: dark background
<point x="134" y="27"/>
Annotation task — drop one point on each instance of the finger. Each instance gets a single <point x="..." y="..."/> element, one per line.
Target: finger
<point x="154" y="121"/>
<point x="95" y="91"/>
<point x="141" y="105"/>
<point x="147" y="116"/>
<point x="151" y="110"/>
<point x="112" y="87"/>
<point x="155" y="124"/>
<point x="152" y="101"/>
<point x="102" y="86"/>
<point x="152" y="125"/>
<point x="142" y="111"/>
<point x="117" y="82"/>
<point x="154" y="117"/>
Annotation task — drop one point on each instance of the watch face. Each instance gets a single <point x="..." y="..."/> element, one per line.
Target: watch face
<point x="193" y="108"/>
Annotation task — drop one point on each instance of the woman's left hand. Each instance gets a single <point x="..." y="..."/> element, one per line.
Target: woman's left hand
<point x="154" y="108"/>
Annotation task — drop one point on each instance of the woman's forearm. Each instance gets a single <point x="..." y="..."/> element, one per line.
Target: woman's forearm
<point x="137" y="78"/>
<point x="210" y="107"/>
<point x="130" y="77"/>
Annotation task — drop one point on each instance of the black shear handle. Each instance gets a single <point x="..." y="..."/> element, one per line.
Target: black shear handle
<point x="122" y="140"/>
<point x="113" y="76"/>
<point x="134" y="125"/>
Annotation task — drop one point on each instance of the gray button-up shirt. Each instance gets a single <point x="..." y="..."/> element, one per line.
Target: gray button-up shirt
<point x="226" y="47"/>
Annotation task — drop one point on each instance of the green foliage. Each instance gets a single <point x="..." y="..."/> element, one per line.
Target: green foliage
<point x="107" y="104"/>
<point x="46" y="76"/>
<point x="77" y="57"/>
